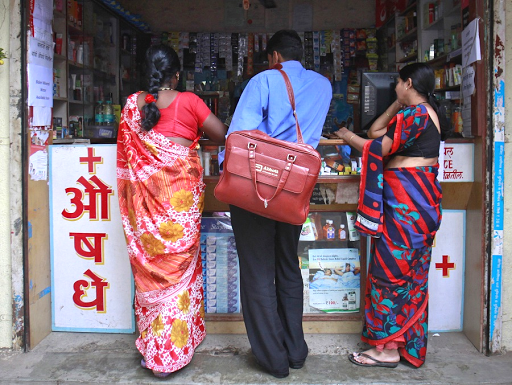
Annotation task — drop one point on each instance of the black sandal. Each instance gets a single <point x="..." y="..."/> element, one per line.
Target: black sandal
<point x="377" y="362"/>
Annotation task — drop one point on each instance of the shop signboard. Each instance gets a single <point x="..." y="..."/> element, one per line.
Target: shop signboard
<point x="92" y="286"/>
<point x="458" y="162"/>
<point x="446" y="275"/>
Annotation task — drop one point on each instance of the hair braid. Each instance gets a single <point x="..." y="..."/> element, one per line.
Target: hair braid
<point x="162" y="63"/>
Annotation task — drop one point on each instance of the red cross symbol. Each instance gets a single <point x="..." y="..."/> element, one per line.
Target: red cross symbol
<point x="446" y="266"/>
<point x="91" y="160"/>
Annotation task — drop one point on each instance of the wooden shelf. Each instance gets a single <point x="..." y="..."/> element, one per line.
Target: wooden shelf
<point x="339" y="178"/>
<point x="453" y="10"/>
<point x="60" y="58"/>
<point x="410" y="7"/>
<point x="408" y="58"/>
<point x="411" y="35"/>
<point x="74" y="30"/>
<point x="436" y="23"/>
<point x="237" y="317"/>
<point x="452" y="88"/>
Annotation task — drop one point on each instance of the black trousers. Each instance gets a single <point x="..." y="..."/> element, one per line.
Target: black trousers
<point x="271" y="289"/>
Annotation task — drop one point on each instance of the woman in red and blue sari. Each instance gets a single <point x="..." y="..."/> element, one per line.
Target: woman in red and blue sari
<point x="400" y="208"/>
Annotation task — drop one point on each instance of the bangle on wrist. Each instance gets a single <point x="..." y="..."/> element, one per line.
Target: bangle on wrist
<point x="352" y="137"/>
<point x="387" y="115"/>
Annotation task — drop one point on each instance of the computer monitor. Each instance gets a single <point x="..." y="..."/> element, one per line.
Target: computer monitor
<point x="377" y="93"/>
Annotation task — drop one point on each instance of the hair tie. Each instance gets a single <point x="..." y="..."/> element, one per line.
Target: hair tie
<point x="149" y="99"/>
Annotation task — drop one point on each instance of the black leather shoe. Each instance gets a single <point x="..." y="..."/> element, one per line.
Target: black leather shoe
<point x="279" y="375"/>
<point x="276" y="375"/>
<point x="297" y="365"/>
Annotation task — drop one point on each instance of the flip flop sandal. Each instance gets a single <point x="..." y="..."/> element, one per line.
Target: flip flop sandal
<point x="160" y="374"/>
<point x="376" y="362"/>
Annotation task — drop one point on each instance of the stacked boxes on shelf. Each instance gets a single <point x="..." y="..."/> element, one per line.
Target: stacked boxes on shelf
<point x="221" y="273"/>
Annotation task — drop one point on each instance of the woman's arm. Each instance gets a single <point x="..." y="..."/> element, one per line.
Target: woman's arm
<point x="215" y="129"/>
<point x="358" y="143"/>
<point x="380" y="125"/>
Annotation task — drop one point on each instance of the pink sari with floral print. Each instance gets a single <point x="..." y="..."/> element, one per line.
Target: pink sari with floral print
<point x="161" y="193"/>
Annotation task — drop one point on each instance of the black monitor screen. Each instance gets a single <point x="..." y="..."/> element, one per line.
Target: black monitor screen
<point x="377" y="93"/>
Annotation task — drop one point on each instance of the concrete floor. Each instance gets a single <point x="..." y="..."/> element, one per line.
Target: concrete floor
<point x="87" y="358"/>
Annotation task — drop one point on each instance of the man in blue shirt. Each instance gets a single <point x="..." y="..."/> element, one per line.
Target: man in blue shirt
<point x="271" y="281"/>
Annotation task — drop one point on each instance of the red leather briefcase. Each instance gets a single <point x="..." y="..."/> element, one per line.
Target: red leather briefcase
<point x="267" y="176"/>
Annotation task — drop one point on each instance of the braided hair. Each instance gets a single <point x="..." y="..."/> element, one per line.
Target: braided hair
<point x="424" y="82"/>
<point x="162" y="63"/>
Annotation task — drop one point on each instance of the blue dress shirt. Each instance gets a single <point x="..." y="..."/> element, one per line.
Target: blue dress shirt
<point x="264" y="104"/>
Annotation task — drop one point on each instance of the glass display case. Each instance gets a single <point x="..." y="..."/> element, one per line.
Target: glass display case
<point x="331" y="254"/>
<point x="95" y="69"/>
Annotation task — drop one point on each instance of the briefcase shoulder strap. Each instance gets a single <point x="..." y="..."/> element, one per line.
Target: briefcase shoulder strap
<point x="291" y="96"/>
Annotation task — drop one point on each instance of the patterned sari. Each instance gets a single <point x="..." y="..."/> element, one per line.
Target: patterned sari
<point x="161" y="193"/>
<point x="401" y="209"/>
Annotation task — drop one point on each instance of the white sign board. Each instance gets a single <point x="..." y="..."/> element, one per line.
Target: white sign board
<point x="458" y="162"/>
<point x="446" y="275"/>
<point x="92" y="285"/>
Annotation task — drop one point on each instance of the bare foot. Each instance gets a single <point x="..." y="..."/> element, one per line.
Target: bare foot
<point x="387" y="355"/>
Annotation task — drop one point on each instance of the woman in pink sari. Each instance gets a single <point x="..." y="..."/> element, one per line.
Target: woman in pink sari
<point x="161" y="194"/>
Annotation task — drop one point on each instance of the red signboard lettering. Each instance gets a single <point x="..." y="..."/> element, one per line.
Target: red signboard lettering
<point x="82" y="286"/>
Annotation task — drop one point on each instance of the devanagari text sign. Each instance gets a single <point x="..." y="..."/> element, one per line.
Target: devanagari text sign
<point x="92" y="285"/>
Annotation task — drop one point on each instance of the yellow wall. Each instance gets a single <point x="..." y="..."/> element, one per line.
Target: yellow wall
<point x="5" y="244"/>
<point x="11" y="224"/>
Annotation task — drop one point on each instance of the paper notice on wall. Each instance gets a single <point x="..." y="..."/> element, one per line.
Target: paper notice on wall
<point x="41" y="116"/>
<point x="39" y="138"/>
<point x="38" y="163"/>
<point x="468" y="81"/>
<point x="466" y="117"/>
<point x="42" y="31"/>
<point x="40" y="53"/>
<point x="471" y="44"/>
<point x="40" y="86"/>
<point x="42" y="9"/>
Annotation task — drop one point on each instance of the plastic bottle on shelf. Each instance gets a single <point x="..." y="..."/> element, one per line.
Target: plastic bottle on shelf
<point x="342" y="233"/>
<point x="329" y="230"/>
<point x="98" y="114"/>
<point x="80" y="54"/>
<point x="207" y="163"/>
<point x="108" y="111"/>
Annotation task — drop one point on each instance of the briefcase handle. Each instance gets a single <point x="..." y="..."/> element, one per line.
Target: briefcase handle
<point x="290" y="158"/>
<point x="284" y="175"/>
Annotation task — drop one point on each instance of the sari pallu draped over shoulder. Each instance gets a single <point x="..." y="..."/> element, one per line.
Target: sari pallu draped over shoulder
<point x="161" y="193"/>
<point x="401" y="209"/>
